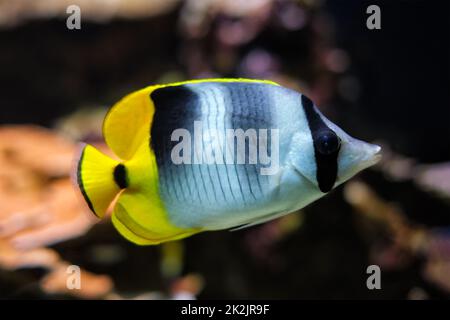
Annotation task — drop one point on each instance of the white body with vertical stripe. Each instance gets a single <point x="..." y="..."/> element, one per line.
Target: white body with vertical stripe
<point x="218" y="196"/>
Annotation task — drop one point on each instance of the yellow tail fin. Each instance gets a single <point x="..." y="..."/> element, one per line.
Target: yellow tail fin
<point x="97" y="177"/>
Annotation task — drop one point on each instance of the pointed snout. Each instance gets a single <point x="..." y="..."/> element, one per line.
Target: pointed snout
<point x="370" y="154"/>
<point x="355" y="156"/>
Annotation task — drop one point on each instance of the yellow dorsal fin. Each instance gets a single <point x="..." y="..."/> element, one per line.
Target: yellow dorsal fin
<point x="128" y="121"/>
<point x="125" y="124"/>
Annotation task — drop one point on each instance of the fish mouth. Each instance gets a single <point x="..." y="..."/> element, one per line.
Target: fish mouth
<point x="370" y="156"/>
<point x="377" y="158"/>
<point x="365" y="155"/>
<point x="374" y="155"/>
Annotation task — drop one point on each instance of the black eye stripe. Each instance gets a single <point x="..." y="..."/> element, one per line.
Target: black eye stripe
<point x="326" y="164"/>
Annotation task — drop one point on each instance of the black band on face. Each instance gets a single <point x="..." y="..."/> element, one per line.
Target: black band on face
<point x="326" y="147"/>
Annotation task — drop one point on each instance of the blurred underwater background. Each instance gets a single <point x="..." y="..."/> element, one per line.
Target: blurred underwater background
<point x="389" y="86"/>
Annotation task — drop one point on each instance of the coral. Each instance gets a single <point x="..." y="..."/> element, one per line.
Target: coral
<point x="39" y="207"/>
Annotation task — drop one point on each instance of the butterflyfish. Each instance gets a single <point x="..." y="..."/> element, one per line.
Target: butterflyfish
<point x="214" y="154"/>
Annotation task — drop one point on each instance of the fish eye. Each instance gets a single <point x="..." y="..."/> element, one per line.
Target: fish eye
<point x="328" y="142"/>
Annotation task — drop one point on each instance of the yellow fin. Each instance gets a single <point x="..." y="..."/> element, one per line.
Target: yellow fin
<point x="125" y="123"/>
<point x="128" y="122"/>
<point x="139" y="213"/>
<point x="95" y="177"/>
<point x="144" y="221"/>
<point x="218" y="80"/>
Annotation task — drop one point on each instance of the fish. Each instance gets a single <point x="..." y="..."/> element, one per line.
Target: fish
<point x="287" y="156"/>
